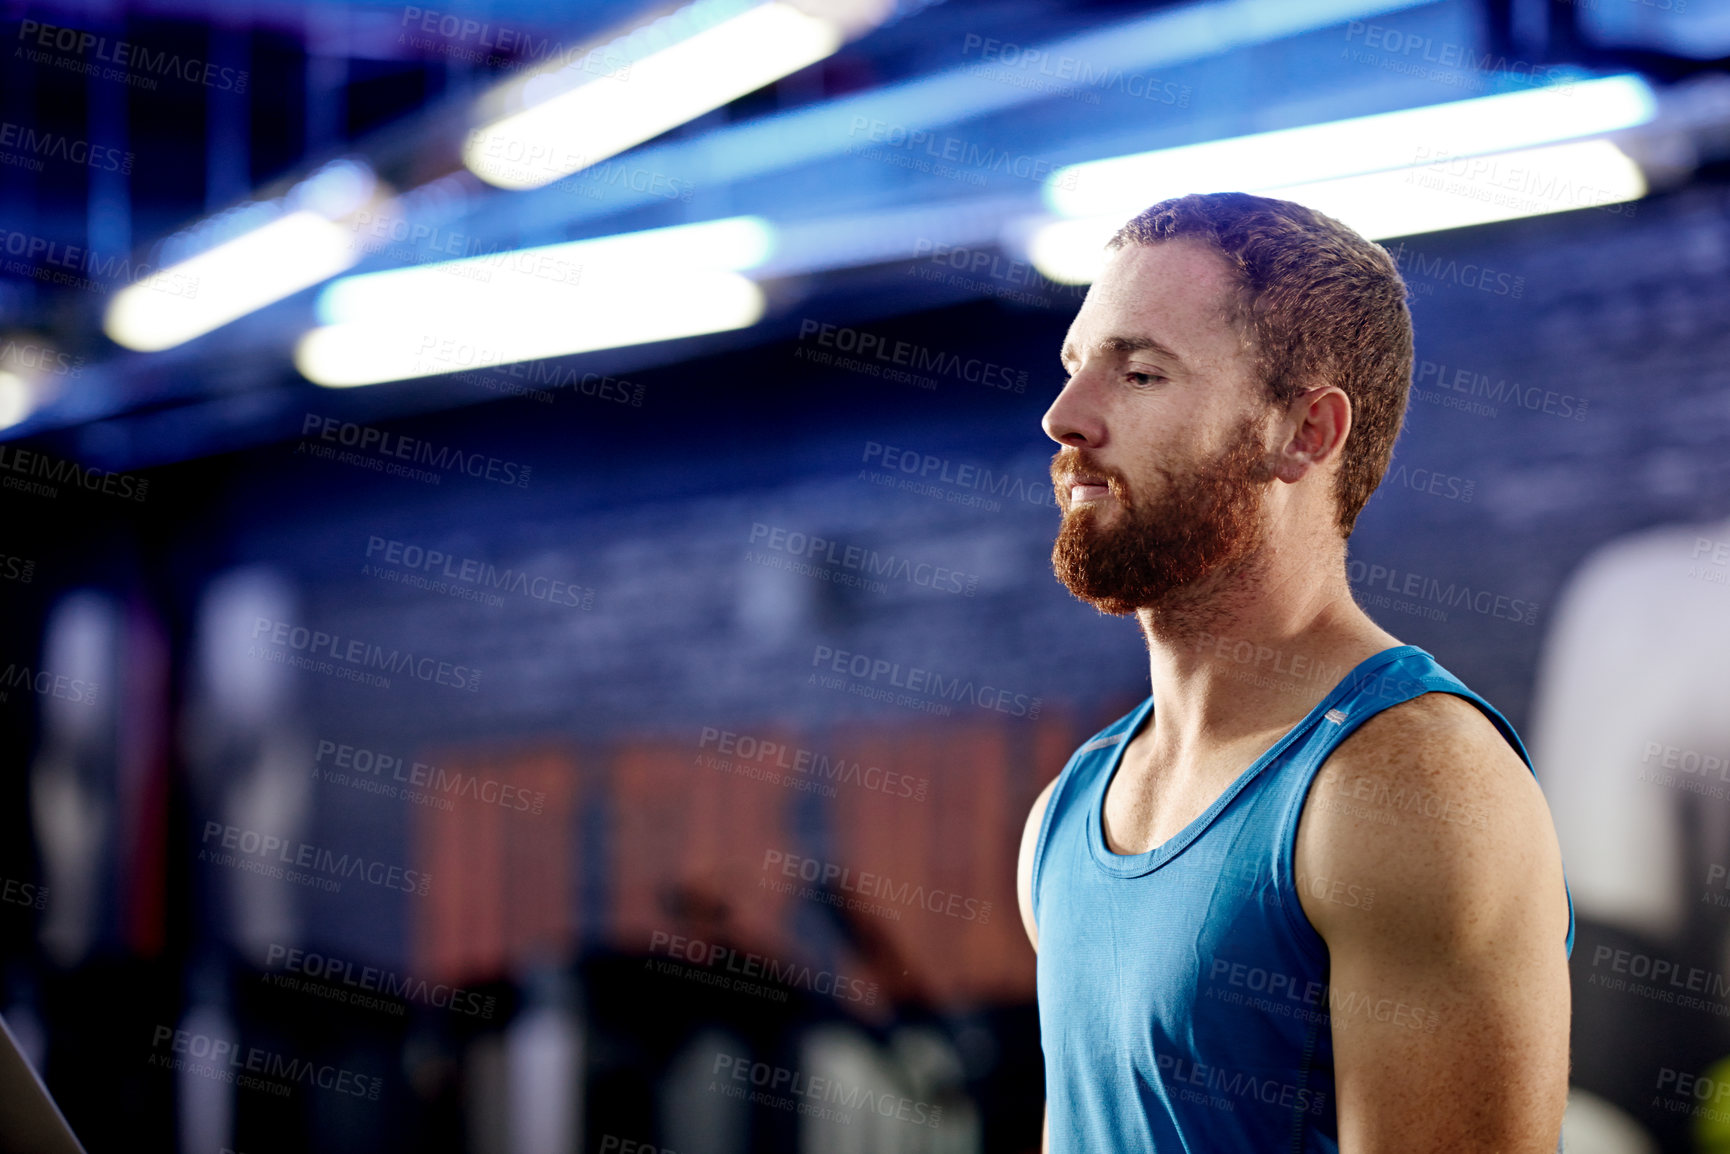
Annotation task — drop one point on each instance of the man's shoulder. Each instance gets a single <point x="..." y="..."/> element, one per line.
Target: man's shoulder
<point x="1433" y="734"/>
<point x="1428" y="797"/>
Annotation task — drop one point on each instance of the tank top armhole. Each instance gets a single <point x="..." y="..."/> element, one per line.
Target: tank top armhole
<point x="1506" y="729"/>
<point x="1290" y="902"/>
<point x="1065" y="780"/>
<point x="1308" y="938"/>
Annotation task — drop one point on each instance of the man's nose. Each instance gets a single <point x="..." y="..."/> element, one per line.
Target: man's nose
<point x="1074" y="418"/>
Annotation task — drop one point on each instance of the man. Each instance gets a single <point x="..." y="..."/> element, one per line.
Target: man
<point x="1314" y="900"/>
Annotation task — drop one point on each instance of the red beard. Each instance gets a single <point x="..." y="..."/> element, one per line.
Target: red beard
<point x="1204" y="522"/>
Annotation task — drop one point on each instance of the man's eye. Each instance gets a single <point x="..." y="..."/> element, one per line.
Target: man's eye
<point x="1144" y="378"/>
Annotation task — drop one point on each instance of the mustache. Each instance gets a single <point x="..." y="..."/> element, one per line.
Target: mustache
<point x="1072" y="460"/>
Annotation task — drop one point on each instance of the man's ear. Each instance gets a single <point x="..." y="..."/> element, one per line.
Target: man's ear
<point x="1319" y="420"/>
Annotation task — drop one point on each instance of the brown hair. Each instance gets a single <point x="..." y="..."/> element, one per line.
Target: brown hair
<point x="1319" y="304"/>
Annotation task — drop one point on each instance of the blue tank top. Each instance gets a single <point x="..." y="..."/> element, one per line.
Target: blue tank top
<point x="1183" y="1001"/>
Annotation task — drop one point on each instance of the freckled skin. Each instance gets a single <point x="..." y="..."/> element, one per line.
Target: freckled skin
<point x="1450" y="906"/>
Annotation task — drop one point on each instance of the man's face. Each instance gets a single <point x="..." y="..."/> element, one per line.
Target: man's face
<point x="1162" y="421"/>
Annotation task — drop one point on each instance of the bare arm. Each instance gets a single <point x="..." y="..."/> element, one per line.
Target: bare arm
<point x="1427" y="861"/>
<point x="1024" y="867"/>
<point x="1024" y="897"/>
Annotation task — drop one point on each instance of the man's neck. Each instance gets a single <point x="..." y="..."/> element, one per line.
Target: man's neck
<point x="1246" y="653"/>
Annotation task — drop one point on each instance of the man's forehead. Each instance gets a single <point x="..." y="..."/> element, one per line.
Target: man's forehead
<point x="1158" y="297"/>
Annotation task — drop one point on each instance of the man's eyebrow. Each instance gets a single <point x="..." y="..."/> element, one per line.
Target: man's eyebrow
<point x="1125" y="345"/>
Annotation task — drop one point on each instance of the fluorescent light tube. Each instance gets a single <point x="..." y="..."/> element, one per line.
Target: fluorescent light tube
<point x="207" y="291"/>
<point x="1124" y="185"/>
<point x="603" y="117"/>
<point x="1449" y="193"/>
<point x="508" y="283"/>
<point x="609" y="313"/>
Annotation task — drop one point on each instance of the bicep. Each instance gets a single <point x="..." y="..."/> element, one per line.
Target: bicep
<point x="1448" y="987"/>
<point x="1024" y="862"/>
<point x="1465" y="1048"/>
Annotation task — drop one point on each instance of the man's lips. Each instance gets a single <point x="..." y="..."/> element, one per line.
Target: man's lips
<point x="1080" y="492"/>
<point x="1083" y="487"/>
